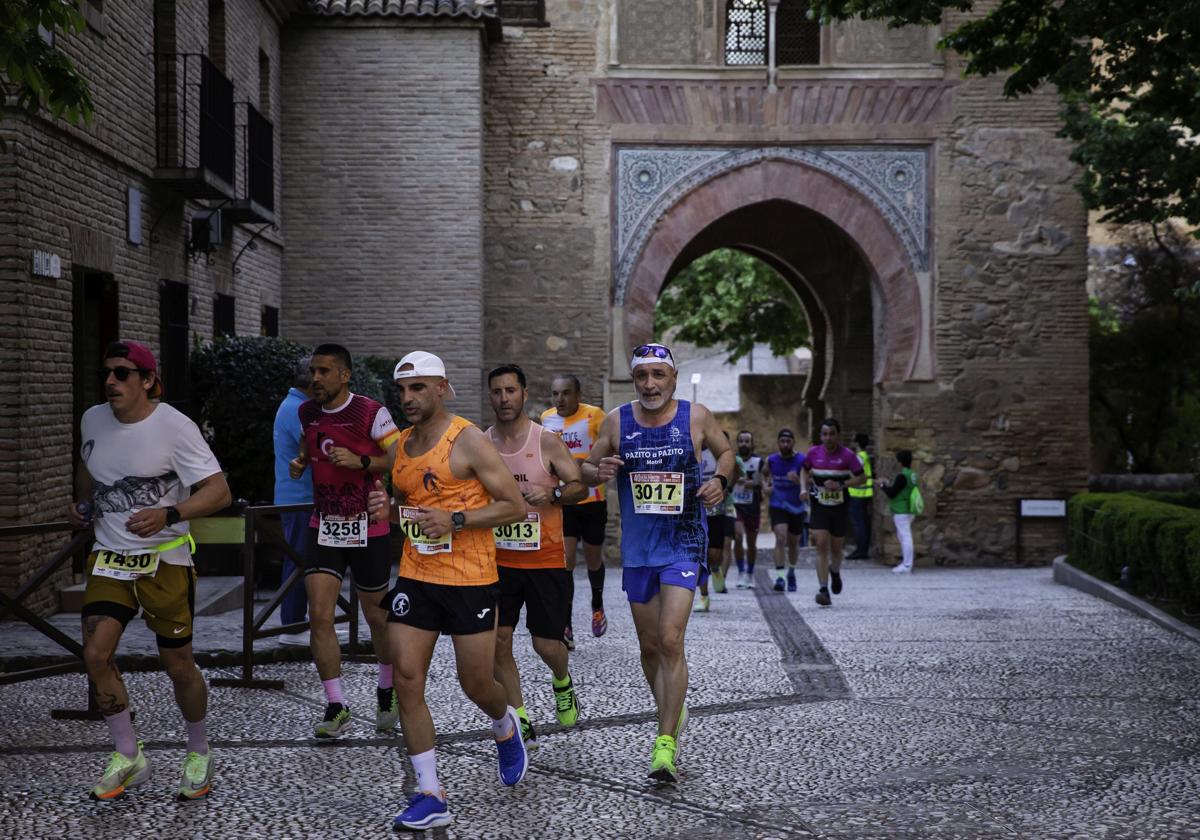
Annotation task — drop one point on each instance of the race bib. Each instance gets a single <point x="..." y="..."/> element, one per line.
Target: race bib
<point x="423" y="544"/>
<point x="520" y="536"/>
<point x="830" y="497"/>
<point x="343" y="531"/>
<point x="111" y="564"/>
<point x="657" y="492"/>
<point x="743" y="496"/>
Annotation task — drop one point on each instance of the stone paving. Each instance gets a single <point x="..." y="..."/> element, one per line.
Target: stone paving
<point x="952" y="703"/>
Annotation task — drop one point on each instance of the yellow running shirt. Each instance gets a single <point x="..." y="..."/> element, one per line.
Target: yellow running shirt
<point x="579" y="432"/>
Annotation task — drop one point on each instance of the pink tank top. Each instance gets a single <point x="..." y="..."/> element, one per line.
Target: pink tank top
<point x="537" y="542"/>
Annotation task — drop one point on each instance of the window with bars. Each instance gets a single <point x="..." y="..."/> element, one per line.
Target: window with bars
<point x="522" y="12"/>
<point x="797" y="39"/>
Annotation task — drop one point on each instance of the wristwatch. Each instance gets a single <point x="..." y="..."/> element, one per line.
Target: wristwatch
<point x="459" y="520"/>
<point x="173" y="516"/>
<point x="365" y="460"/>
<point x="557" y="494"/>
<point x="724" y="481"/>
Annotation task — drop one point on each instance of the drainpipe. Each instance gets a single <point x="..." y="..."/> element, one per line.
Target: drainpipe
<point x="772" y="70"/>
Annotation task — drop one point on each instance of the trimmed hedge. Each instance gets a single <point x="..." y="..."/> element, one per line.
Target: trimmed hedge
<point x="1185" y="498"/>
<point x="1157" y="544"/>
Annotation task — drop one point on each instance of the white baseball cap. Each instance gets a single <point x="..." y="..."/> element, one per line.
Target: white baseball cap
<point x="423" y="364"/>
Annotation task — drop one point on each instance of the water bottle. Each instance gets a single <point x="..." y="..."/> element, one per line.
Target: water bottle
<point x="84" y="509"/>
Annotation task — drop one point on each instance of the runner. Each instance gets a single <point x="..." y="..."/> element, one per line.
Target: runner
<point x="138" y="460"/>
<point x="348" y="438"/>
<point x="830" y="468"/>
<point x="578" y="424"/>
<point x="747" y="501"/>
<point x="860" y="501"/>
<point x="721" y="519"/>
<point x="453" y="489"/>
<point x="530" y="554"/>
<point x="652" y="447"/>
<point x="781" y="479"/>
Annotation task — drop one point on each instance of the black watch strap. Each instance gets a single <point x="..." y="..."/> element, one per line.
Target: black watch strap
<point x="724" y="481"/>
<point x="365" y="460"/>
<point x="173" y="515"/>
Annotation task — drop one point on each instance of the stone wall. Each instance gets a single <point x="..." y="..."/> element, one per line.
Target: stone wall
<point x="66" y="191"/>
<point x="382" y="140"/>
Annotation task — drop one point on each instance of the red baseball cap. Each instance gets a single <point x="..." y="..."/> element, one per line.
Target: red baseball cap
<point x="139" y="354"/>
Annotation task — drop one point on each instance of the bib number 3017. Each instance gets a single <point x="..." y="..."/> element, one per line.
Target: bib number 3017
<point x="657" y="492"/>
<point x="343" y="531"/>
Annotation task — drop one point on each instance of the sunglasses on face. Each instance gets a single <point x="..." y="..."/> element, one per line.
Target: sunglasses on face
<point x="655" y="350"/>
<point x="121" y="373"/>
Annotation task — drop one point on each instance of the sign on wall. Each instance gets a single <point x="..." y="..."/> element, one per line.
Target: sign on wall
<point x="46" y="264"/>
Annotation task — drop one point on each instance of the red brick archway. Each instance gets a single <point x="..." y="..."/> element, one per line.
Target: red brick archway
<point x="786" y="180"/>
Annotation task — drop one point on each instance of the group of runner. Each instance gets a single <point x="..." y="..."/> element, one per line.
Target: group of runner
<point x="491" y="522"/>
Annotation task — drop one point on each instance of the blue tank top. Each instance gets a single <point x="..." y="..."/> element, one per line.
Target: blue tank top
<point x="662" y="521"/>
<point x="785" y="493"/>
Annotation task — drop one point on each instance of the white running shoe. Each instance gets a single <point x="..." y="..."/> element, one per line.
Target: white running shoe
<point x="901" y="570"/>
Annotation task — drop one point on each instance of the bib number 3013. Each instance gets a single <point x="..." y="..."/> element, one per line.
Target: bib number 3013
<point x="112" y="564"/>
<point x="343" y="531"/>
<point x="520" y="536"/>
<point x="657" y="492"/>
<point x="414" y="534"/>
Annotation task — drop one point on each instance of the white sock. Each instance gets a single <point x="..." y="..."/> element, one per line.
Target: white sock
<point x="503" y="727"/>
<point x="425" y="766"/>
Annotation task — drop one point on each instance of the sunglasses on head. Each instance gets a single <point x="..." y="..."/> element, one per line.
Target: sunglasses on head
<point x="655" y="350"/>
<point x="121" y="373"/>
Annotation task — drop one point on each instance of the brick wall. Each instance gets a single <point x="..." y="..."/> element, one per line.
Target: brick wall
<point x="66" y="192"/>
<point x="382" y="136"/>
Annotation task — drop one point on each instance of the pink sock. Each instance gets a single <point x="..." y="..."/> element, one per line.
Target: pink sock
<point x="333" y="690"/>
<point x="197" y="740"/>
<point x="385" y="676"/>
<point x="120" y="726"/>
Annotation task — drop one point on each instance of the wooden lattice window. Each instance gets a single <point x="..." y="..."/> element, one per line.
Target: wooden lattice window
<point x="522" y="12"/>
<point x="797" y="39"/>
<point x="746" y="32"/>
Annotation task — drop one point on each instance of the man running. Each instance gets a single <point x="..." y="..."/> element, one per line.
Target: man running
<point x="829" y="469"/>
<point x="138" y="460"/>
<point x="720" y="521"/>
<point x="578" y="424"/>
<point x="747" y="502"/>
<point x="530" y="555"/>
<point x="787" y="509"/>
<point x="860" y="500"/>
<point x="347" y="439"/>
<point x="652" y="447"/>
<point x="453" y="489"/>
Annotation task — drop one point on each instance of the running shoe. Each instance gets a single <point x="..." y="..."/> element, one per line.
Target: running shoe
<point x="336" y="722"/>
<point x="121" y="774"/>
<point x="719" y="583"/>
<point x="512" y="758"/>
<point x="425" y="810"/>
<point x="823" y="597"/>
<point x="599" y="624"/>
<point x="387" y="709"/>
<point x="569" y="638"/>
<point x="835" y="580"/>
<point x="741" y="581"/>
<point x="662" y="760"/>
<point x="197" y="777"/>
<point x="566" y="704"/>
<point x="528" y="735"/>
<point x="901" y="569"/>
<point x="791" y="580"/>
<point x="779" y="584"/>
<point x="702" y="603"/>
<point x="749" y="580"/>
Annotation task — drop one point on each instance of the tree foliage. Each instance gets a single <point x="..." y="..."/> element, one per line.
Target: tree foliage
<point x="33" y="70"/>
<point x="731" y="300"/>
<point x="1145" y="360"/>
<point x="1129" y="75"/>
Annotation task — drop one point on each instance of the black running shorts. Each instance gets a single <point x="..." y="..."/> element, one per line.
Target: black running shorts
<point x="371" y="566"/>
<point x="794" y="521"/>
<point x="829" y="518"/>
<point x="453" y="610"/>
<point x="586" y="522"/>
<point x="545" y="595"/>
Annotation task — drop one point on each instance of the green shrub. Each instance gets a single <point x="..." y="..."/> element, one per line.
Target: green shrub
<point x="238" y="383"/>
<point x="1185" y="498"/>
<point x="1156" y="544"/>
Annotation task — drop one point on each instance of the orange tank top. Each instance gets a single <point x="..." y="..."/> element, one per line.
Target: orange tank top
<point x="426" y="481"/>
<point x="537" y="542"/>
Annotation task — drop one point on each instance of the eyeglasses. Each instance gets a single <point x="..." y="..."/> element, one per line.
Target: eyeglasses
<point x="122" y="373"/>
<point x="655" y="350"/>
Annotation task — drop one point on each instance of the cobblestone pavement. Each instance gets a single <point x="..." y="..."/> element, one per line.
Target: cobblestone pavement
<point x="946" y="704"/>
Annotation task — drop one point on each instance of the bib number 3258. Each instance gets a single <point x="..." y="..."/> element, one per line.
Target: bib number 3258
<point x="343" y="531"/>
<point x="657" y="492"/>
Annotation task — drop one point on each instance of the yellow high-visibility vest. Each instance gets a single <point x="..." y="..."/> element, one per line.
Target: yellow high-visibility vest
<point x="865" y="491"/>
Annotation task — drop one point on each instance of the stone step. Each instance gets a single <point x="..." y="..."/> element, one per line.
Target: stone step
<point x="214" y="595"/>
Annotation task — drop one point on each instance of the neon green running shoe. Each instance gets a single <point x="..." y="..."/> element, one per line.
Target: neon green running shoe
<point x="197" y="777"/>
<point x="387" y="711"/>
<point x="528" y="734"/>
<point x="566" y="704"/>
<point x="336" y="722"/>
<point x="121" y="774"/>
<point x="662" y="760"/>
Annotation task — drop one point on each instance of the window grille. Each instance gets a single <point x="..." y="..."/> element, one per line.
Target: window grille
<point x="522" y="12"/>
<point x="746" y="32"/>
<point x="797" y="39"/>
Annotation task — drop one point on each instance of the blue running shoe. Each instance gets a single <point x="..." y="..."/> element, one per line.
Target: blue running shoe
<point x="791" y="580"/>
<point x="424" y="811"/>
<point x="513" y="759"/>
<point x="778" y="584"/>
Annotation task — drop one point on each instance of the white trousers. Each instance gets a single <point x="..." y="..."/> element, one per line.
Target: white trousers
<point x="904" y="534"/>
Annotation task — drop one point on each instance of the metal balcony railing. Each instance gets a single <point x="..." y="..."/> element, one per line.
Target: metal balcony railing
<point x="194" y="121"/>
<point x="260" y="159"/>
